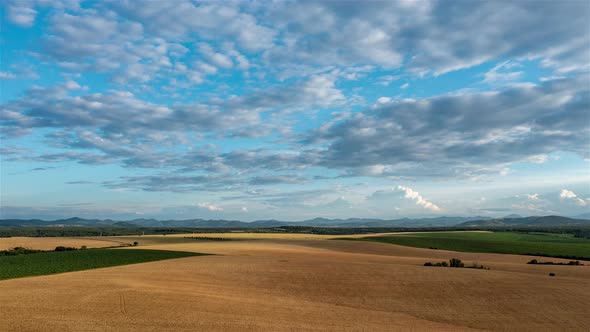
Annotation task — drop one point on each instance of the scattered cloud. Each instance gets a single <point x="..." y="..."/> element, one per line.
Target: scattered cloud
<point x="209" y="206"/>
<point x="409" y="193"/>
<point x="533" y="197"/>
<point x="7" y="75"/>
<point x="568" y="195"/>
<point x="21" y="13"/>
<point x="503" y="72"/>
<point x="248" y="100"/>
<point x="461" y="135"/>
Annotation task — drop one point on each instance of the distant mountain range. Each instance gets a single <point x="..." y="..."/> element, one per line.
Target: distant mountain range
<point x="476" y="221"/>
<point x="527" y="221"/>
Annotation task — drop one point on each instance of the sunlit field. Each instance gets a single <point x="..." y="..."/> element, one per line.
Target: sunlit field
<point x="287" y="282"/>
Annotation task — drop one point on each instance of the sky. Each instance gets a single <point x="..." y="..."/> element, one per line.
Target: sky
<point x="294" y="110"/>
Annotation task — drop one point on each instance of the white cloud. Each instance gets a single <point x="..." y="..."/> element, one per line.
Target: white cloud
<point x="22" y="13"/>
<point x="372" y="170"/>
<point x="386" y="80"/>
<point x="538" y="159"/>
<point x="380" y="33"/>
<point x="6" y="75"/>
<point x="218" y="59"/>
<point x="405" y="86"/>
<point x="464" y="134"/>
<point x="502" y="73"/>
<point x="209" y="206"/>
<point x="533" y="197"/>
<point x="569" y="195"/>
<point x="211" y="20"/>
<point x="409" y="193"/>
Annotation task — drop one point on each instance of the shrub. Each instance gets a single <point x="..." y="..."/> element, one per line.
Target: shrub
<point x="62" y="248"/>
<point x="135" y="243"/>
<point x="552" y="274"/>
<point x="455" y="262"/>
<point x="476" y="266"/>
<point x="534" y="261"/>
<point x="83" y="247"/>
<point x="18" y="251"/>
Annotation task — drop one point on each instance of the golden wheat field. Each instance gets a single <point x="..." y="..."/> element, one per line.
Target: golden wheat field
<point x="49" y="243"/>
<point x="298" y="283"/>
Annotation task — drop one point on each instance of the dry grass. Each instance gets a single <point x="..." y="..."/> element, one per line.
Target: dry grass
<point x="302" y="284"/>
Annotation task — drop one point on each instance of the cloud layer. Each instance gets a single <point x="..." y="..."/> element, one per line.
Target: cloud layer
<point x="228" y="98"/>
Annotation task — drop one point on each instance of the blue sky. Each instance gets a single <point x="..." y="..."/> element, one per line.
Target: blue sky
<point x="294" y="110"/>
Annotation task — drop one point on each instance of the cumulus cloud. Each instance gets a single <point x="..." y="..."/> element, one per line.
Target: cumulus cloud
<point x="533" y="197"/>
<point x="209" y="206"/>
<point x="409" y="193"/>
<point x="317" y="90"/>
<point x="216" y="58"/>
<point x="210" y="20"/>
<point x="300" y="58"/>
<point x="142" y="43"/>
<point x="115" y="111"/>
<point x="381" y="34"/>
<point x="21" y="13"/>
<point x="462" y="134"/>
<point x="568" y="195"/>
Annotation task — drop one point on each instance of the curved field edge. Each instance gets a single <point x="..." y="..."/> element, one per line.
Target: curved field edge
<point x="534" y="244"/>
<point x="51" y="262"/>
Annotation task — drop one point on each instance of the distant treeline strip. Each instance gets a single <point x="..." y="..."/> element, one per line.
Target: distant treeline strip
<point x="576" y="231"/>
<point x="206" y="238"/>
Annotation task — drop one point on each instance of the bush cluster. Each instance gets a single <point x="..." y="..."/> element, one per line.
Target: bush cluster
<point x="62" y="248"/>
<point x="18" y="251"/>
<point x="534" y="261"/>
<point x="455" y="262"/>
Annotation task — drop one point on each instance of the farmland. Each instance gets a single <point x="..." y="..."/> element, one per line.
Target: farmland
<point x="540" y="244"/>
<point x="49" y="243"/>
<point x="51" y="262"/>
<point x="303" y="282"/>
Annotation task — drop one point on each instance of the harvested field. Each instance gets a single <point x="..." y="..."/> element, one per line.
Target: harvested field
<point x="545" y="244"/>
<point x="49" y="243"/>
<point x="302" y="284"/>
